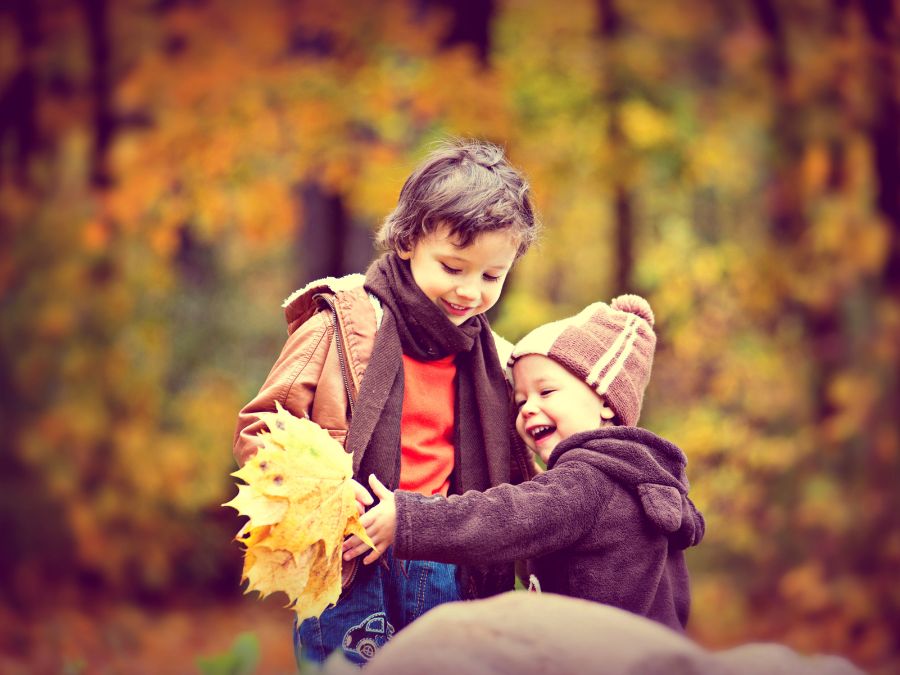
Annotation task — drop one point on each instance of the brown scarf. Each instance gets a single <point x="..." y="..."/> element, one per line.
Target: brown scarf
<point x="415" y="326"/>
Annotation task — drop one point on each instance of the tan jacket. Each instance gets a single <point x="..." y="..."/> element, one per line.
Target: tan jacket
<point x="331" y="331"/>
<point x="322" y="363"/>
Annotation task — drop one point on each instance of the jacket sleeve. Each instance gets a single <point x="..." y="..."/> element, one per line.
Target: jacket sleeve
<point x="504" y="523"/>
<point x="292" y="382"/>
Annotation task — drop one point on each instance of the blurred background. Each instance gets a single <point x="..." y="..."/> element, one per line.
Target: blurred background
<point x="170" y="170"/>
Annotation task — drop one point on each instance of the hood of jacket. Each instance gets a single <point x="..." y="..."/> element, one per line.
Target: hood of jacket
<point x="303" y="302"/>
<point x="650" y="467"/>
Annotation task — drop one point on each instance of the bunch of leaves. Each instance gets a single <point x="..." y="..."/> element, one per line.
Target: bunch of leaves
<point x="301" y="504"/>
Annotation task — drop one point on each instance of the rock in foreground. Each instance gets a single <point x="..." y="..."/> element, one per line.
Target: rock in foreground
<point x="538" y="634"/>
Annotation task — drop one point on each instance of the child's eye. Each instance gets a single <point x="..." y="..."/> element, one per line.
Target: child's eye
<point x="547" y="392"/>
<point x="490" y="277"/>
<point x="519" y="404"/>
<point x="450" y="270"/>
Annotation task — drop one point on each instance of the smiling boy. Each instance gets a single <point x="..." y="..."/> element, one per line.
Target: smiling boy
<point x="610" y="518"/>
<point x="402" y="367"/>
<point x="462" y="280"/>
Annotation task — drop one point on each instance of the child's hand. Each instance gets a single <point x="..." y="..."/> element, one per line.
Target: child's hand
<point x="380" y="523"/>
<point x="363" y="498"/>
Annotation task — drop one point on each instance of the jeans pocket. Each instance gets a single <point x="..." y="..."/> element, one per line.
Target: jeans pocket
<point x="349" y="569"/>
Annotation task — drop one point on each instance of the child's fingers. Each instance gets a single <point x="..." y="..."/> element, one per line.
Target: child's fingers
<point x="362" y="495"/>
<point x="356" y="551"/>
<point x="372" y="557"/>
<point x="378" y="487"/>
<point x="361" y="506"/>
<point x="351" y="542"/>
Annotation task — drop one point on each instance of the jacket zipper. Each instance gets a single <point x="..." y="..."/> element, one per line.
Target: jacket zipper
<point x="342" y="359"/>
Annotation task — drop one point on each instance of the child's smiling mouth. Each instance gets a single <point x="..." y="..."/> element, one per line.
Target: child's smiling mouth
<point x="541" y="432"/>
<point x="456" y="310"/>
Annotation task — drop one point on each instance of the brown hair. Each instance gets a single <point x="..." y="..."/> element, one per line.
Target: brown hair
<point x="467" y="185"/>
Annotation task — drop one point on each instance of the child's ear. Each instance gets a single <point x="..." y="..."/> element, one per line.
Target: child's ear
<point x="606" y="413"/>
<point x="404" y="254"/>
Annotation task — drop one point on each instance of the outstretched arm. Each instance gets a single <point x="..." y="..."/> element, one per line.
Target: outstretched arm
<point x="504" y="523"/>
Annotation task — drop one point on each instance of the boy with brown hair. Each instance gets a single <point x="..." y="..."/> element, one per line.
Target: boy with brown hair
<point x="402" y="367"/>
<point x="610" y="518"/>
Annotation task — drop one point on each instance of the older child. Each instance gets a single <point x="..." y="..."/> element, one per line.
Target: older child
<point x="610" y="518"/>
<point x="402" y="367"/>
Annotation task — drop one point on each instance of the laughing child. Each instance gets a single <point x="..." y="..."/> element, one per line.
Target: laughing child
<point x="610" y="518"/>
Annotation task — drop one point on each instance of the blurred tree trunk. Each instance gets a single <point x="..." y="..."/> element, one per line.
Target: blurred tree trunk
<point x="470" y="24"/>
<point x="321" y="237"/>
<point x="824" y="331"/>
<point x="609" y="28"/>
<point x="882" y="23"/>
<point x="18" y="131"/>
<point x="785" y="198"/>
<point x="328" y="242"/>
<point x="96" y="13"/>
<point x="18" y="98"/>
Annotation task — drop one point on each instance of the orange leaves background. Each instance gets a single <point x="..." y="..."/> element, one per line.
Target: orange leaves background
<point x="169" y="172"/>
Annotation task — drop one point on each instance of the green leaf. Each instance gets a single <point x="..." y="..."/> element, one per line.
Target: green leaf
<point x="241" y="659"/>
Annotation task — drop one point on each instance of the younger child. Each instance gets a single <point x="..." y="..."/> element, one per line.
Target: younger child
<point x="402" y="367"/>
<point x="610" y="518"/>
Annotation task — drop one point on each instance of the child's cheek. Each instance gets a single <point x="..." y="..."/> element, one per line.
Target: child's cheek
<point x="520" y="429"/>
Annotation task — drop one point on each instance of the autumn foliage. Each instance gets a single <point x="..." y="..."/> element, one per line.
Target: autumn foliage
<point x="170" y="171"/>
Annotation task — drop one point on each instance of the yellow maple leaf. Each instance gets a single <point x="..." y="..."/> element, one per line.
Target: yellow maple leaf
<point x="301" y="505"/>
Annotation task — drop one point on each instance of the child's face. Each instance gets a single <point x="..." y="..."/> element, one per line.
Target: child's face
<point x="462" y="281"/>
<point x="553" y="404"/>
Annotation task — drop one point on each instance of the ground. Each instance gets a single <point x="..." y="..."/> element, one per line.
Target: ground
<point x="118" y="638"/>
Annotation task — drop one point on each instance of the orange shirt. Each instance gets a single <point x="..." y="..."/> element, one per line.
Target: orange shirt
<point x="426" y="427"/>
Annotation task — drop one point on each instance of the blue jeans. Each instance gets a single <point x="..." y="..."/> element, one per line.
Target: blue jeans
<point x="381" y="599"/>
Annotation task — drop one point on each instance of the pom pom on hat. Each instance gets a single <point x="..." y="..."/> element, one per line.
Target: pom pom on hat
<point x="609" y="347"/>
<point x="634" y="304"/>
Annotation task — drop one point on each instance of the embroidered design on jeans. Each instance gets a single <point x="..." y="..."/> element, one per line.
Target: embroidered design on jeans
<point x="369" y="635"/>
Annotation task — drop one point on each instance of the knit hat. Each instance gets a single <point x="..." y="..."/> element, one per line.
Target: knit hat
<point x="610" y="347"/>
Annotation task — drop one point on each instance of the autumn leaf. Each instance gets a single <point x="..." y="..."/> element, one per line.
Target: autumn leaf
<point x="301" y="505"/>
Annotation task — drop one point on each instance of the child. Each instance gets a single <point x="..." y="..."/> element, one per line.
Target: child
<point x="401" y="366"/>
<point x="610" y="518"/>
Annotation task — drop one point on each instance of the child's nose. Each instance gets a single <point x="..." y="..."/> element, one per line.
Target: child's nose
<point x="467" y="291"/>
